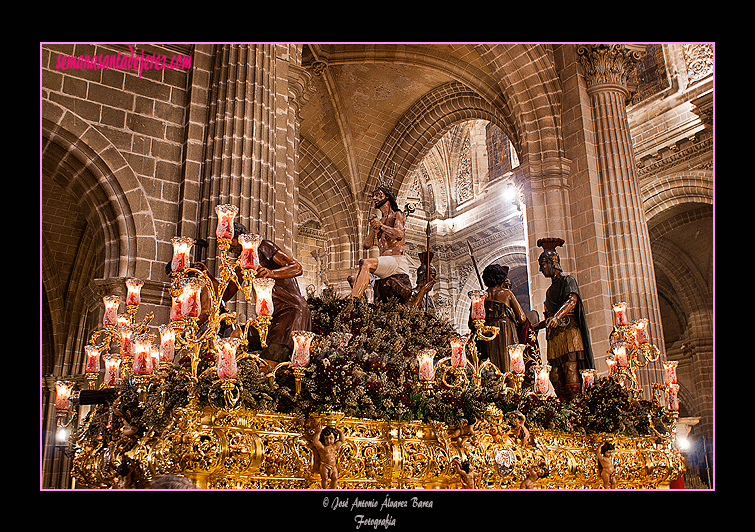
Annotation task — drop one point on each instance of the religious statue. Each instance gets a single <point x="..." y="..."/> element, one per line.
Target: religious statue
<point x="535" y="473"/>
<point x="325" y="446"/>
<point x="568" y="338"/>
<point x="519" y="432"/>
<point x="425" y="282"/>
<point x="391" y="267"/>
<point x="466" y="472"/>
<point x="606" y="468"/>
<point x="503" y="310"/>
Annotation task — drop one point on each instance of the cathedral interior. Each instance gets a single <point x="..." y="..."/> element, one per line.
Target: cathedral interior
<point x="488" y="147"/>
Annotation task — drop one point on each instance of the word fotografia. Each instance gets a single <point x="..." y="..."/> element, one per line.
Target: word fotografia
<point x="386" y="504"/>
<point x="122" y="62"/>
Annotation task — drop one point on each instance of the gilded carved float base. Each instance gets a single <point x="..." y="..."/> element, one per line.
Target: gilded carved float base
<point x="243" y="449"/>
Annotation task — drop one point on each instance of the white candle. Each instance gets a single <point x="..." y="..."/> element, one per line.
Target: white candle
<point x="458" y="354"/>
<point x="426" y="358"/>
<point x="516" y="355"/>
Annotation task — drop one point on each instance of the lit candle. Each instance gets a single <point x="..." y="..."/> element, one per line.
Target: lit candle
<point x="669" y="370"/>
<point x="249" y="258"/>
<point x="111" y="310"/>
<point x="134" y="294"/>
<point x="611" y="366"/>
<point x="191" y="304"/>
<point x="588" y="379"/>
<point x="63" y="391"/>
<point x="93" y="358"/>
<point x="126" y="345"/>
<point x="155" y="358"/>
<point x="641" y="331"/>
<point x="112" y="369"/>
<point x="167" y="343"/>
<point x="181" y="247"/>
<point x="226" y="361"/>
<point x="672" y="397"/>
<point x="620" y="309"/>
<point x="302" y="344"/>
<point x="620" y="352"/>
<point x="426" y="358"/>
<point x="516" y="356"/>
<point x="263" y="289"/>
<point x="542" y="380"/>
<point x="226" y="214"/>
<point x="478" y="304"/>
<point x="458" y="353"/>
<point x="143" y="354"/>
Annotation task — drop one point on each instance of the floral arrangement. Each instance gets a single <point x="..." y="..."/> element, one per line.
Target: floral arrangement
<point x="375" y="376"/>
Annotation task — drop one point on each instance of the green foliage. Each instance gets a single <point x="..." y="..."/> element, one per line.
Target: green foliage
<point x="375" y="376"/>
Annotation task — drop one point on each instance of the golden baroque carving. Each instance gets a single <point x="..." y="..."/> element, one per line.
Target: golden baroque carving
<point x="243" y="449"/>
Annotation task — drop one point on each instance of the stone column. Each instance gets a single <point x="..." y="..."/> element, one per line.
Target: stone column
<point x="630" y="262"/>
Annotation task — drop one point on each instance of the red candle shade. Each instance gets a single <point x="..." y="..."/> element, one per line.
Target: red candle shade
<point x="93" y="358"/>
<point x="134" y="294"/>
<point x="302" y="344"/>
<point x="249" y="258"/>
<point x="672" y="397"/>
<point x="191" y="304"/>
<point x="226" y="214"/>
<point x="226" y="361"/>
<point x="669" y="371"/>
<point x="620" y="309"/>
<point x="111" y="310"/>
<point x="542" y="379"/>
<point x="167" y="344"/>
<point x="621" y="355"/>
<point x="181" y="247"/>
<point x="478" y="304"/>
<point x="112" y="369"/>
<point x="458" y="354"/>
<point x="426" y="360"/>
<point x="588" y="379"/>
<point x="127" y="346"/>
<point x="175" y="308"/>
<point x="516" y="355"/>
<point x="641" y="331"/>
<point x="611" y="366"/>
<point x="63" y="391"/>
<point x="263" y="289"/>
<point x="143" y="354"/>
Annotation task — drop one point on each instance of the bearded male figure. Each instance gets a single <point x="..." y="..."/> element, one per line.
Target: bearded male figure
<point x="568" y="339"/>
<point x="389" y="232"/>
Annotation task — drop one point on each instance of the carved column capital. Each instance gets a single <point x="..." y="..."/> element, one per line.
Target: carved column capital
<point x="606" y="66"/>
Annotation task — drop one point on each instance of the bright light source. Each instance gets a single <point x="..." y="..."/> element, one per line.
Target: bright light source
<point x="62" y="434"/>
<point x="510" y="193"/>
<point x="683" y="444"/>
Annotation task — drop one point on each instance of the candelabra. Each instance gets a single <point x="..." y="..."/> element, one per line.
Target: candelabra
<point x="299" y="359"/>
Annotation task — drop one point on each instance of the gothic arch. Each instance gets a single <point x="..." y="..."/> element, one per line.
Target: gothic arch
<point x="423" y="125"/>
<point x="663" y="193"/>
<point x="85" y="163"/>
<point x="322" y="186"/>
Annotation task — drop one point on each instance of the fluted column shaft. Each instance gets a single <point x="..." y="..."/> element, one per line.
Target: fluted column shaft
<point x="630" y="267"/>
